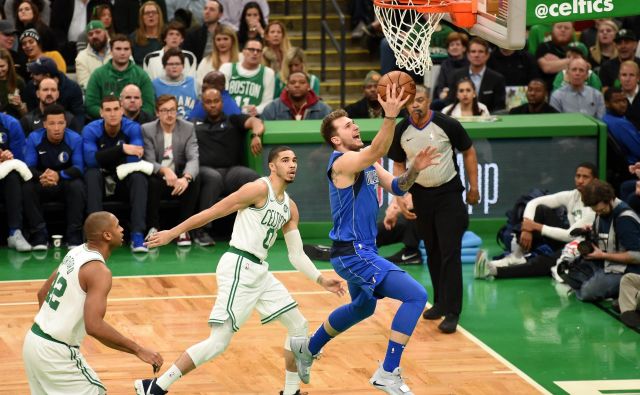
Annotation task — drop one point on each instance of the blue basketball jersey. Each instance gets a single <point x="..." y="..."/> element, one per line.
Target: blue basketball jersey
<point x="354" y="209"/>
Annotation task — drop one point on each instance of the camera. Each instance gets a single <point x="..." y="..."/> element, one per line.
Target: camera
<point x="585" y="247"/>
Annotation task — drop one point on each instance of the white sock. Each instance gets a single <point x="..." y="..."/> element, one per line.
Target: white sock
<point x="493" y="270"/>
<point x="516" y="250"/>
<point x="169" y="377"/>
<point x="291" y="383"/>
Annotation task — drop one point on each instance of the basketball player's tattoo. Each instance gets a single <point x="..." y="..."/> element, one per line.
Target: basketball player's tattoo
<point x="406" y="179"/>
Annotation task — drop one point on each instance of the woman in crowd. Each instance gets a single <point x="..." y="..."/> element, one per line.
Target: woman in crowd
<point x="101" y="12"/>
<point x="225" y="50"/>
<point x="32" y="48"/>
<point x="457" y="45"/>
<point x="466" y="103"/>
<point x="276" y="45"/>
<point x="252" y="23"/>
<point x="605" y="48"/>
<point x="294" y="61"/>
<point x="146" y="38"/>
<point x="27" y="16"/>
<point x="11" y="87"/>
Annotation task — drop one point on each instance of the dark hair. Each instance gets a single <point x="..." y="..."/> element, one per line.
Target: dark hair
<point x="220" y="7"/>
<point x="328" y="130"/>
<point x="36" y="8"/>
<point x="608" y="94"/>
<point x="475" y="108"/>
<point x="243" y="31"/>
<point x="480" y="41"/>
<point x="165" y="98"/>
<point x="173" y="25"/>
<point x="52" y="109"/>
<point x="597" y="191"/>
<point x="540" y="81"/>
<point x="120" y="37"/>
<point x="590" y="166"/>
<point x="170" y="53"/>
<point x="109" y="99"/>
<point x="273" y="154"/>
<point x="256" y="39"/>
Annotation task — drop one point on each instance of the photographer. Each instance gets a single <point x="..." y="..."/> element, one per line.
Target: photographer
<point x="617" y="251"/>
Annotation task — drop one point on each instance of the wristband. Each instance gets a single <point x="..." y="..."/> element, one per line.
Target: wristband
<point x="396" y="189"/>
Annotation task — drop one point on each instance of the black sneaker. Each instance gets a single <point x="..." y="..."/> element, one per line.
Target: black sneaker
<point x="203" y="239"/>
<point x="433" y="313"/>
<point x="148" y="387"/>
<point x="406" y="256"/>
<point x="449" y="324"/>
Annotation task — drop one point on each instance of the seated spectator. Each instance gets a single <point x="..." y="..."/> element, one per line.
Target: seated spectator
<point x="297" y="102"/>
<point x="131" y="102"/>
<point x="457" y="44"/>
<point x="225" y="50"/>
<point x="170" y="145"/>
<point x="536" y="100"/>
<point x="615" y="254"/>
<point x="589" y="36"/>
<point x="97" y="54"/>
<point x="234" y="10"/>
<point x="115" y="75"/>
<point x="577" y="96"/>
<point x="626" y="44"/>
<point x="216" y="80"/>
<point x="517" y="66"/>
<point x="173" y="37"/>
<point x="47" y="94"/>
<point x="44" y="9"/>
<point x="395" y="228"/>
<point x="54" y="156"/>
<point x="629" y="77"/>
<point x="221" y="145"/>
<point x="536" y="35"/>
<point x="7" y="42"/>
<point x="146" y="38"/>
<point x="294" y="61"/>
<point x="11" y="87"/>
<point x="103" y="13"/>
<point x="192" y="7"/>
<point x="174" y="82"/>
<point x="489" y="84"/>
<point x="199" y="39"/>
<point x="126" y="20"/>
<point x="620" y="128"/>
<point x="604" y="47"/>
<point x="551" y="55"/>
<point x="30" y="44"/>
<point x="70" y="92"/>
<point x="27" y="16"/>
<point x="277" y="45"/>
<point x="542" y="225"/>
<point x="466" y="103"/>
<point x="630" y="189"/>
<point x="629" y="300"/>
<point x="108" y="143"/>
<point x="368" y="106"/>
<point x="12" y="146"/>
<point x="249" y="82"/>
<point x="576" y="50"/>
<point x="252" y="23"/>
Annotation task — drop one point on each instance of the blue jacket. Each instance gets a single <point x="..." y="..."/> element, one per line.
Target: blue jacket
<point x="229" y="107"/>
<point x="12" y="136"/>
<point x="100" y="151"/>
<point x="65" y="157"/>
<point x="626" y="134"/>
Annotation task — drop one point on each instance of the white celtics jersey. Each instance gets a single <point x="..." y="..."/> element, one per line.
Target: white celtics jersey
<point x="62" y="313"/>
<point x="255" y="229"/>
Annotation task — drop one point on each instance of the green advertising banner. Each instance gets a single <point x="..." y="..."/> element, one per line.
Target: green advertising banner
<point x="551" y="11"/>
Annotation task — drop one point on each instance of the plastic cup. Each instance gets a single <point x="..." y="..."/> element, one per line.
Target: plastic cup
<point x="56" y="241"/>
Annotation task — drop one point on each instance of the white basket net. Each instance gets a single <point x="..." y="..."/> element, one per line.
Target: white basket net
<point x="408" y="32"/>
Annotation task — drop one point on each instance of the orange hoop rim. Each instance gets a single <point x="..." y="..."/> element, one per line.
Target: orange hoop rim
<point x="463" y="12"/>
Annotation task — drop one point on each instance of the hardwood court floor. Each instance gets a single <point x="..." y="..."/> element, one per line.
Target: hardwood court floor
<point x="169" y="314"/>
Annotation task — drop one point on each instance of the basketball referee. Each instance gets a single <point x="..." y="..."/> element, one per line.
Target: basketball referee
<point x="441" y="214"/>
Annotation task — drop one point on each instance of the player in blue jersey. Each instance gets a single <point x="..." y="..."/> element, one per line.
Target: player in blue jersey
<point x="354" y="175"/>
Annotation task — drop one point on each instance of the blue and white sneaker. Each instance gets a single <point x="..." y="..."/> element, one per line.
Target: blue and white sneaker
<point x="148" y="387"/>
<point x="137" y="242"/>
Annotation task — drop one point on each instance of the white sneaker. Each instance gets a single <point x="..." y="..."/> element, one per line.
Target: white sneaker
<point x="391" y="383"/>
<point x="304" y="359"/>
<point x="481" y="268"/>
<point x="509" y="260"/>
<point x="18" y="242"/>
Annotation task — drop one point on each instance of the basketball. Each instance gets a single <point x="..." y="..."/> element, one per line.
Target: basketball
<point x="401" y="79"/>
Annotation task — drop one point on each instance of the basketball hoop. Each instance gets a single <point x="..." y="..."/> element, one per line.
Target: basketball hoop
<point x="409" y="24"/>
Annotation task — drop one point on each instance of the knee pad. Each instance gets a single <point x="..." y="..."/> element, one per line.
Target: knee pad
<point x="213" y="346"/>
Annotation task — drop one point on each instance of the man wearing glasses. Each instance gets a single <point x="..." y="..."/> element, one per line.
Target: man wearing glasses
<point x="249" y="82"/>
<point x="170" y="145"/>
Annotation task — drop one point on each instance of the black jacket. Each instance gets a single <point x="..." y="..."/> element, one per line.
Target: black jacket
<point x="492" y="88"/>
<point x="70" y="97"/>
<point x="196" y="41"/>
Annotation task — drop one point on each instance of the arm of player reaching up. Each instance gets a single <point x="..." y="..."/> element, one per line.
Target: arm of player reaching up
<point x="400" y="185"/>
<point x="253" y="193"/>
<point x="42" y="292"/>
<point x="300" y="260"/>
<point x="353" y="162"/>
<point x="95" y="280"/>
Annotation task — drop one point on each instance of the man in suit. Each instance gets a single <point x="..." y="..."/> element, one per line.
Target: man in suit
<point x="170" y="145"/>
<point x="489" y="84"/>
